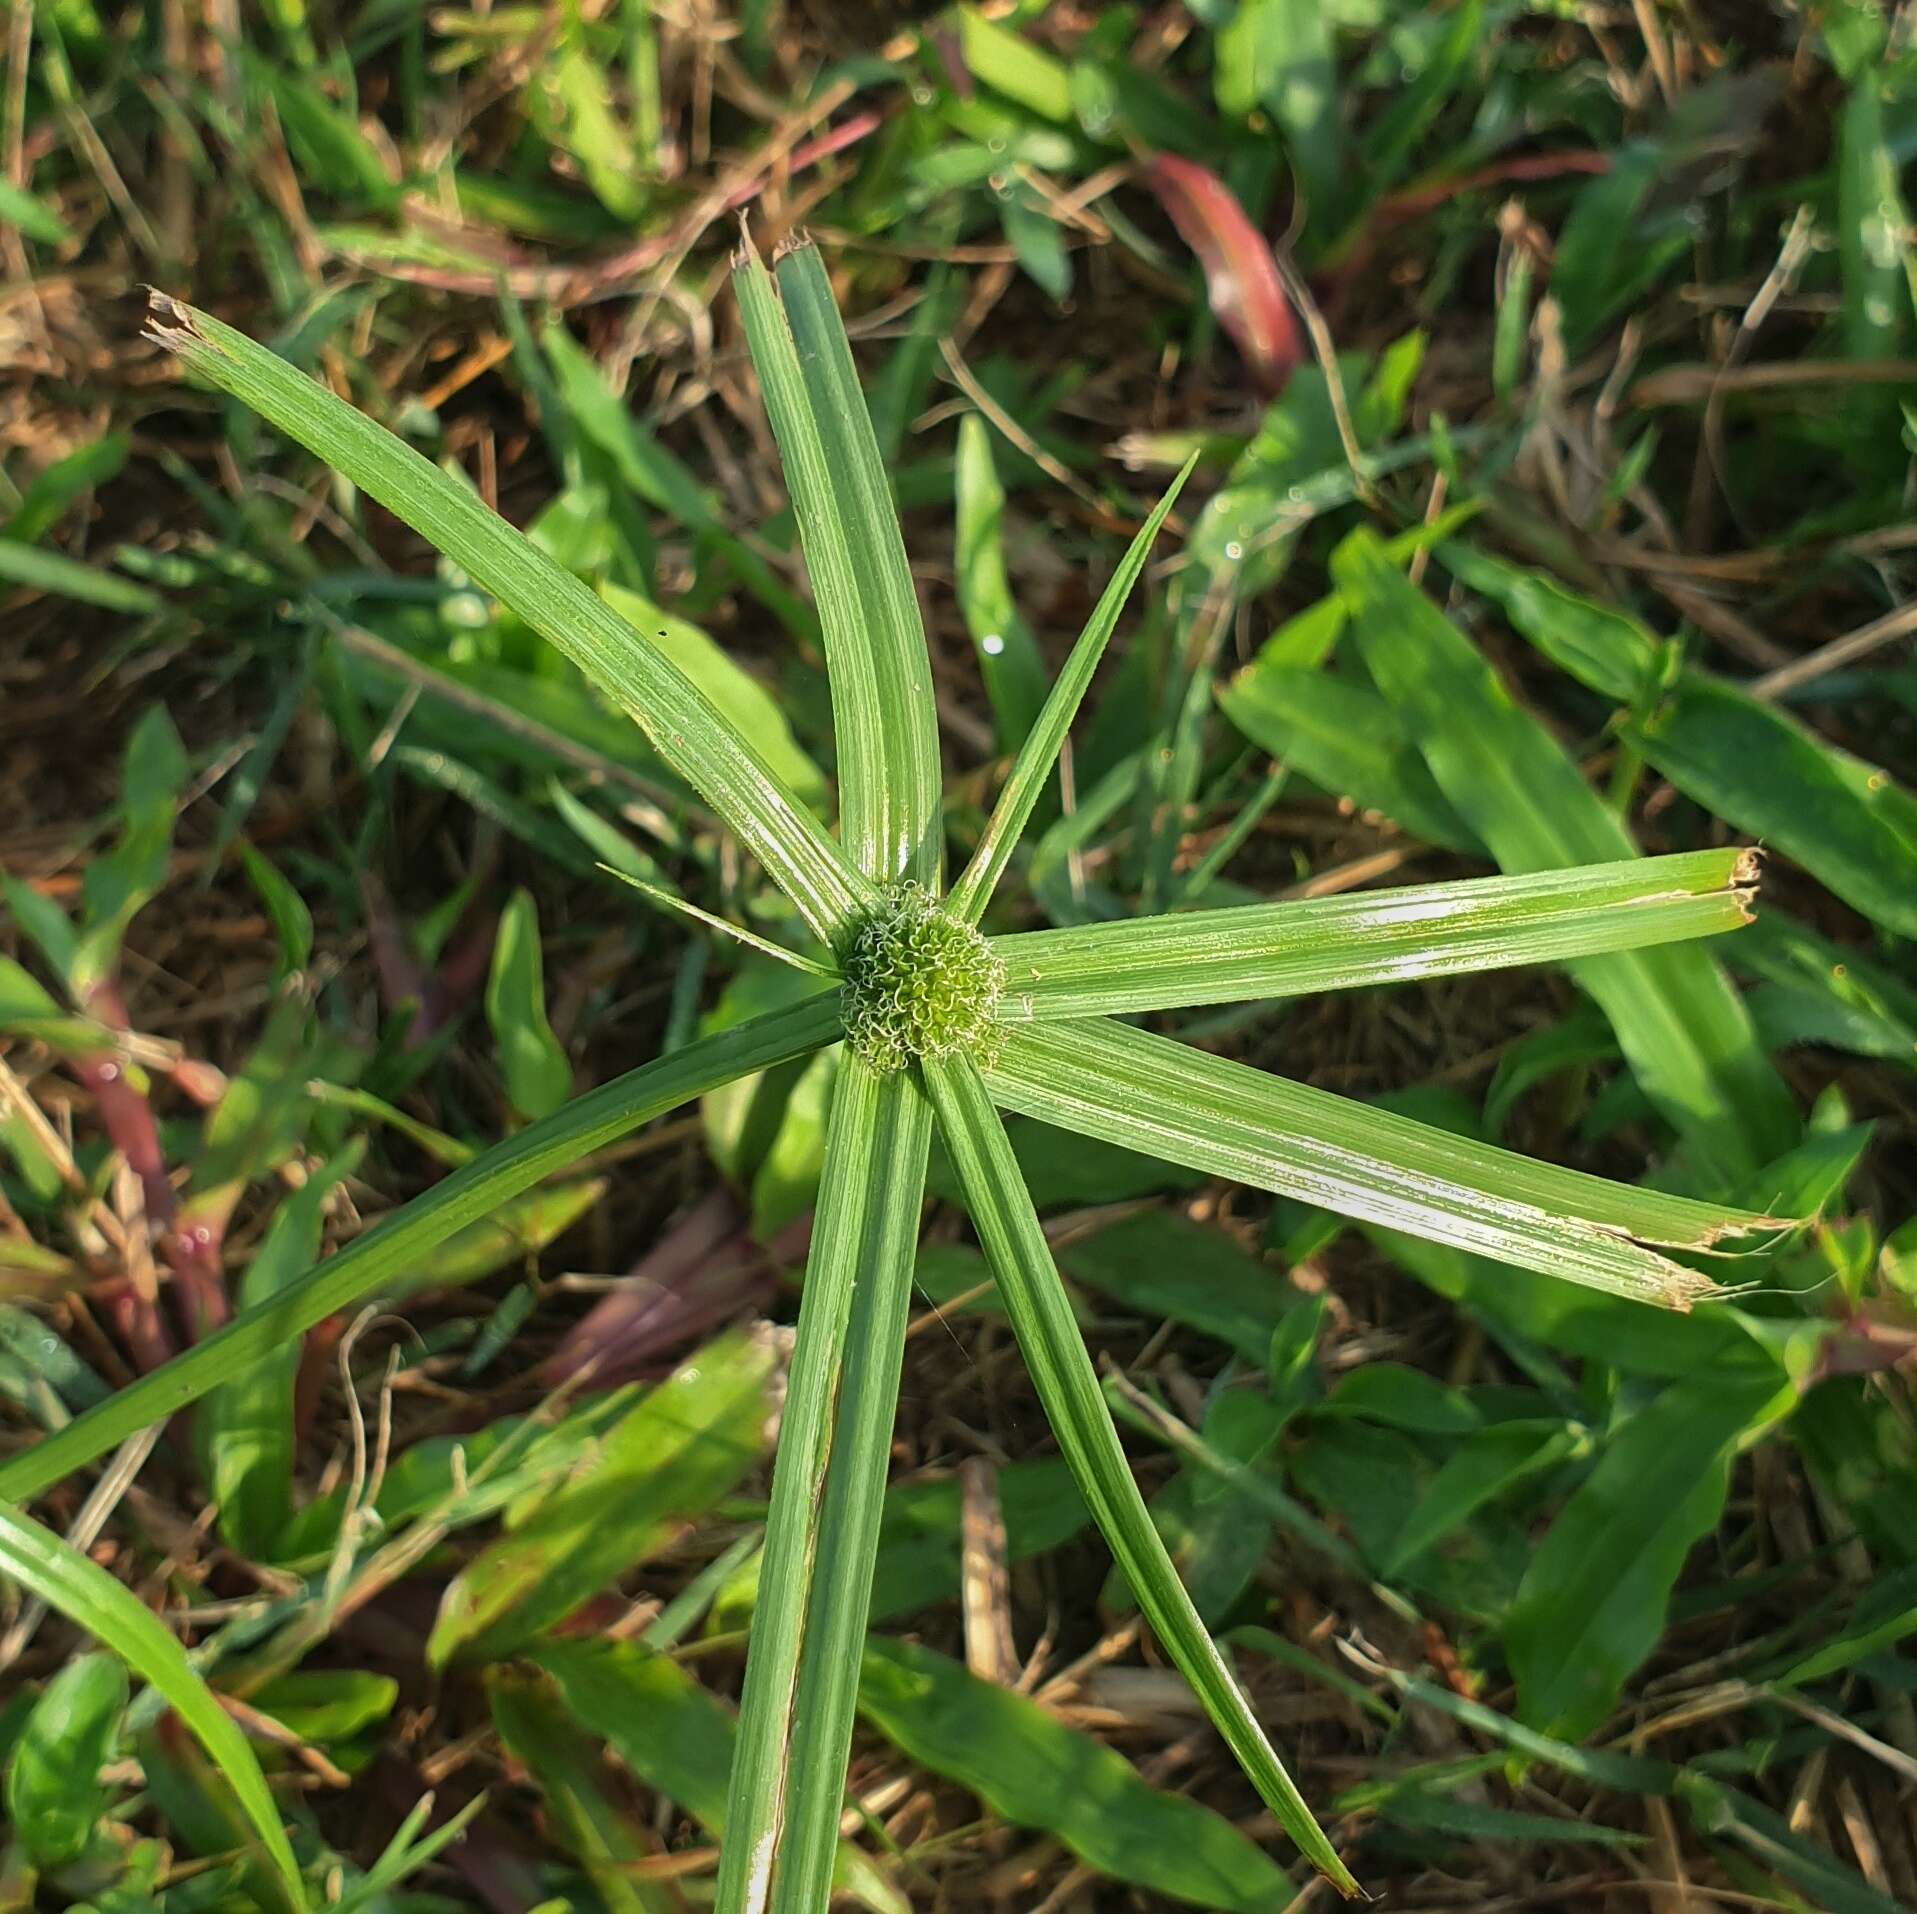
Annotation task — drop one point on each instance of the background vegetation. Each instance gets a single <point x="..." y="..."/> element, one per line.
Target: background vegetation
<point x="1603" y="317"/>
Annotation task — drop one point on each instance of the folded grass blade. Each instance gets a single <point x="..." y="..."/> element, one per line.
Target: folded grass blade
<point x="65" y="1579"/>
<point x="467" y="1196"/>
<point x="683" y="725"/>
<point x="883" y="714"/>
<point x="828" y="1487"/>
<point x="1055" y="1353"/>
<point x="1377" y="937"/>
<point x="1032" y="769"/>
<point x="1147" y="1093"/>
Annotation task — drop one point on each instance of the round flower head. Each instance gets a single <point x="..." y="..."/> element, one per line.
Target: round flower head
<point x="917" y="983"/>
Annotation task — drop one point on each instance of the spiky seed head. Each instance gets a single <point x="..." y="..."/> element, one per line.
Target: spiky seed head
<point x="917" y="983"/>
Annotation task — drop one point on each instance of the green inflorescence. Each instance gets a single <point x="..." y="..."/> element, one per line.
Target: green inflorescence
<point x="918" y="983"/>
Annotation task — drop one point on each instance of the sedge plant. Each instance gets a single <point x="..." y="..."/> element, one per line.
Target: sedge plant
<point x="945" y="1026"/>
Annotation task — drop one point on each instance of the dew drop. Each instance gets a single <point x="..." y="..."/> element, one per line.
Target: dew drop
<point x="991" y="644"/>
<point x="1233" y="549"/>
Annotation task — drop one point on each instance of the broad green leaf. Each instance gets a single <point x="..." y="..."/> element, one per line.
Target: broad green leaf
<point x="1592" y="1604"/>
<point x="1330" y="943"/>
<point x="27" y="1009"/>
<point x="44" y="501"/>
<point x="1068" y="1387"/>
<point x="392" y="1251"/>
<point x="1598" y="645"/>
<point x="1279" y="54"/>
<point x="1348" y="741"/>
<point x="795" y="1717"/>
<point x="889" y="778"/>
<point x="78" y="1588"/>
<point x="55" y="1796"/>
<point x="567" y="1768"/>
<point x="1008" y="656"/>
<point x="684" y="1445"/>
<point x="1105" y="1079"/>
<point x="1403" y="1398"/>
<point x="327" y="1704"/>
<point x="244" y="1429"/>
<point x="1035" y="237"/>
<point x="1032" y="768"/>
<point x="1482" y="1468"/>
<point x="750" y="709"/>
<point x="1010" y="63"/>
<point x="683" y="725"/>
<point x="1848" y="822"/>
<point x="678" y="1739"/>
<point x="32" y="215"/>
<point x="1038" y="1773"/>
<point x="118" y="886"/>
<point x="1159" y="1263"/>
<point x="537" y="1072"/>
<point x="1682" y="1027"/>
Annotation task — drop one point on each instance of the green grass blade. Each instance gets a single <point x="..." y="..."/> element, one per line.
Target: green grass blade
<point x="1008" y="656"/>
<point x="788" y="1775"/>
<point x="685" y="728"/>
<point x="54" y="572"/>
<point x="1104" y="1079"/>
<point x="882" y="709"/>
<point x="1682" y="1028"/>
<point x="1067" y="1384"/>
<point x="1378" y="937"/>
<point x="1032" y="769"/>
<point x="393" y="1250"/>
<point x="66" y="1580"/>
<point x="848" y="1539"/>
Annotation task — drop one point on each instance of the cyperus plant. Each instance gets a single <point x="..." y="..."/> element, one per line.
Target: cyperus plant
<point x="944" y="1024"/>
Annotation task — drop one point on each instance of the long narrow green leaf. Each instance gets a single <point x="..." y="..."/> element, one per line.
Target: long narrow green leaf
<point x="1067" y="1384"/>
<point x="465" y="1197"/>
<point x="683" y="725"/>
<point x="828" y="1484"/>
<point x="1008" y="656"/>
<point x="882" y="708"/>
<point x="848" y="1540"/>
<point x="1032" y="769"/>
<point x="678" y="1738"/>
<point x="65" y="1579"/>
<point x="1104" y="1079"/>
<point x="1379" y="937"/>
<point x="1683" y="1029"/>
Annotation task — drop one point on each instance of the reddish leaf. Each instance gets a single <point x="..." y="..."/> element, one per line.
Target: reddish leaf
<point x="1241" y="277"/>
